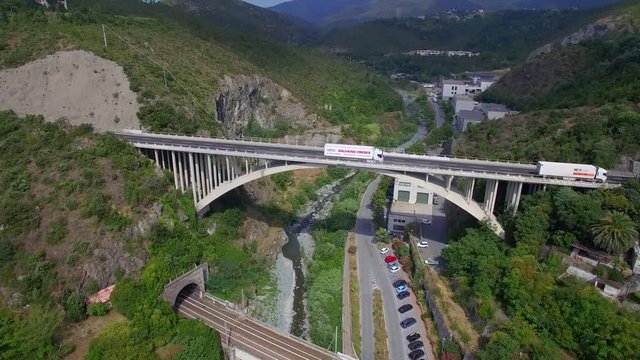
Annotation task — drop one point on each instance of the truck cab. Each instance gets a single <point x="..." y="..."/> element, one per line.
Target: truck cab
<point x="378" y="155"/>
<point x="601" y="174"/>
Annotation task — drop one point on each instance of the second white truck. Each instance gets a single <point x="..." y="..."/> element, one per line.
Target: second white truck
<point x="574" y="171"/>
<point x="368" y="153"/>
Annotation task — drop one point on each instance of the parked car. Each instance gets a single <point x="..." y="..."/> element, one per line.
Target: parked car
<point x="423" y="244"/>
<point x="415" y="354"/>
<point x="413" y="336"/>
<point x="415" y="345"/>
<point x="390" y="258"/>
<point x="432" y="261"/>
<point x="398" y="283"/>
<point x="407" y="322"/>
<point x="404" y="308"/>
<point x="384" y="250"/>
<point x="426" y="221"/>
<point x="393" y="267"/>
<point x="401" y="288"/>
<point x="402" y="295"/>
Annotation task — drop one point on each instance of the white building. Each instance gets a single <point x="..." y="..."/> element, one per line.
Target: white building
<point x="410" y="204"/>
<point x="463" y="102"/>
<point x="482" y="80"/>
<point x="451" y="88"/>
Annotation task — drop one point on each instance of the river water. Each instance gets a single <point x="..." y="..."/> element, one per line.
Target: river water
<point x="290" y="271"/>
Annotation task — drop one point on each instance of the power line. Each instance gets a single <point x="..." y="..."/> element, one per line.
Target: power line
<point x="163" y="66"/>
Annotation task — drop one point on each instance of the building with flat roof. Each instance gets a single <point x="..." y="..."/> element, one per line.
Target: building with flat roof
<point x="467" y="117"/>
<point x="451" y="88"/>
<point x="494" y="111"/>
<point x="463" y="102"/>
<point x="410" y="204"/>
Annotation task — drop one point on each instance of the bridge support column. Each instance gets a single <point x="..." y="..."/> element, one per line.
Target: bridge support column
<point x="468" y="189"/>
<point x="197" y="174"/>
<point x="490" y="193"/>
<point x="512" y="197"/>
<point x="448" y="179"/>
<point x="203" y="176"/>
<point x="228" y="175"/>
<point x="174" y="169"/>
<point x="155" y="153"/>
<point x="210" y="176"/>
<point x="216" y="180"/>
<point x="193" y="179"/>
<point x="180" y="172"/>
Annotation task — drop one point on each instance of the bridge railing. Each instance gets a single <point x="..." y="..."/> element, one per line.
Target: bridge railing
<point x="302" y="142"/>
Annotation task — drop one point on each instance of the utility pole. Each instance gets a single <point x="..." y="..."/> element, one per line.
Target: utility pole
<point x="104" y="36"/>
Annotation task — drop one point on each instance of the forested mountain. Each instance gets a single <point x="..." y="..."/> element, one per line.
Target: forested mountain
<point x="332" y="13"/>
<point x="502" y="38"/>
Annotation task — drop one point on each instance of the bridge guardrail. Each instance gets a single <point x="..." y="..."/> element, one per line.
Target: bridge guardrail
<point x="472" y="173"/>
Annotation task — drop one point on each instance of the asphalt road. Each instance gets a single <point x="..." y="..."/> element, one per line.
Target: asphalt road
<point x="308" y="154"/>
<point x="435" y="234"/>
<point x="438" y="113"/>
<point x="247" y="334"/>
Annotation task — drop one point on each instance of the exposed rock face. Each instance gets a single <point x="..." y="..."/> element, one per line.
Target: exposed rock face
<point x="108" y="259"/>
<point x="244" y="99"/>
<point x="606" y="26"/>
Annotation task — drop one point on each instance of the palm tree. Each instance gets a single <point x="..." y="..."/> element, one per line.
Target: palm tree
<point x="615" y="232"/>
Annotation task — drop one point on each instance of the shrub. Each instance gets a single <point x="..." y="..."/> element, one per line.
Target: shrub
<point x="98" y="309"/>
<point x="74" y="306"/>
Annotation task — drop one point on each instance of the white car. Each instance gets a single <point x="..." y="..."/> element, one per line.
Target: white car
<point x="423" y="244"/>
<point x="393" y="268"/>
<point x="432" y="261"/>
<point x="426" y="221"/>
<point x="384" y="250"/>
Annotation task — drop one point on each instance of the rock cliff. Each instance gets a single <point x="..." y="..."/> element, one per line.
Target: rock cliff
<point x="243" y="99"/>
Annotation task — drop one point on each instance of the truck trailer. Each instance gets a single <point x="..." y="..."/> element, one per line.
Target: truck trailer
<point x="368" y="153"/>
<point x="573" y="171"/>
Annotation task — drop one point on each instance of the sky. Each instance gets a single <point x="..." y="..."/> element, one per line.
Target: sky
<point x="265" y="3"/>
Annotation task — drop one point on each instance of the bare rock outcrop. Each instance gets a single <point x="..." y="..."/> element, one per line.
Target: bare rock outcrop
<point x="611" y="25"/>
<point x="244" y="100"/>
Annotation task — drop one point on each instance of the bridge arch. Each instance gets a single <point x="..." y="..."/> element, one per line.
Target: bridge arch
<point x="472" y="207"/>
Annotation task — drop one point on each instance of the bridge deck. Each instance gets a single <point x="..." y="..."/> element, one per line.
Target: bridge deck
<point x="240" y="331"/>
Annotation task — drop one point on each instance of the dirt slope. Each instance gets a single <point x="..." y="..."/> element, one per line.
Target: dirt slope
<point x="76" y="85"/>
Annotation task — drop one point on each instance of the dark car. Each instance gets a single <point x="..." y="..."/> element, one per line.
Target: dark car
<point x="415" y="345"/>
<point x="415" y="354"/>
<point x="407" y="322"/>
<point x="404" y="308"/>
<point x="402" y="295"/>
<point x="413" y="336"/>
<point x="398" y="283"/>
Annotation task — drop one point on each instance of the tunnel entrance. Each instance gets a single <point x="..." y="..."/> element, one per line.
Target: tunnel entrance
<point x="190" y="290"/>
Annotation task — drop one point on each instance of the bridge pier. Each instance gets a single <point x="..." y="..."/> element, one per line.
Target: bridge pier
<point x="490" y="193"/>
<point x="512" y="197"/>
<point x="468" y="189"/>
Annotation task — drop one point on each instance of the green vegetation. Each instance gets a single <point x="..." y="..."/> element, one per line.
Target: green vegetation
<point x="561" y="311"/>
<point x="502" y="38"/>
<point x="580" y="135"/>
<point x="324" y="282"/>
<point x="191" y="49"/>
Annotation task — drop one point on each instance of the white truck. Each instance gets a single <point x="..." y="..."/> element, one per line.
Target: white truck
<point x="573" y="171"/>
<point x="368" y="153"/>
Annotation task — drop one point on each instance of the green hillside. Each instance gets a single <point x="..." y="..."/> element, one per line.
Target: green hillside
<point x="502" y="38"/>
<point x="592" y="73"/>
<point x="197" y="54"/>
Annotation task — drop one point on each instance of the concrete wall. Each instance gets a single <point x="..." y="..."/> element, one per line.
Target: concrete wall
<point x="196" y="276"/>
<point x="413" y="190"/>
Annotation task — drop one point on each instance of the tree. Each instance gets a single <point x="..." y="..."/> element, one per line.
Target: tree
<point x="74" y="306"/>
<point x="382" y="236"/>
<point x="615" y="232"/>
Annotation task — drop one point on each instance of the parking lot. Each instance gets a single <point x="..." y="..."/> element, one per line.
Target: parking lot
<point x="435" y="233"/>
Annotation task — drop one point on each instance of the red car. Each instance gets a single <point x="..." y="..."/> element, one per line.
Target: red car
<point x="390" y="259"/>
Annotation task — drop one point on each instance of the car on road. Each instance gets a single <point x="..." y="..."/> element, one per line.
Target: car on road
<point x="399" y="282"/>
<point x="426" y="221"/>
<point x="415" y="354"/>
<point x="401" y="288"/>
<point x="407" y="322"/>
<point x="413" y="336"/>
<point x="390" y="259"/>
<point x="432" y="261"/>
<point x="415" y="345"/>
<point x="393" y="267"/>
<point x="384" y="250"/>
<point x="402" y="295"/>
<point x="423" y="244"/>
<point x="404" y="308"/>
